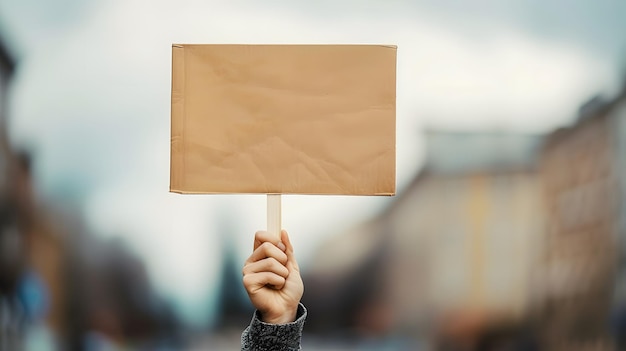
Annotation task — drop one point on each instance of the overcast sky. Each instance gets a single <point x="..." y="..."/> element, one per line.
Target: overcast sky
<point x="91" y="98"/>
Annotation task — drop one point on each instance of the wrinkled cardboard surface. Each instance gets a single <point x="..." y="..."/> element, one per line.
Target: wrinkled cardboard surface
<point x="290" y="119"/>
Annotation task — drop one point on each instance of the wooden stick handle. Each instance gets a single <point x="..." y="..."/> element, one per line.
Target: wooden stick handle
<point x="273" y="214"/>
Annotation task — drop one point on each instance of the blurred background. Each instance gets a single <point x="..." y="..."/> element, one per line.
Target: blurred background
<point x="508" y="231"/>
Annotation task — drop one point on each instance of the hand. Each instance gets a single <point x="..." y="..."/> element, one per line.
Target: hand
<point x="272" y="278"/>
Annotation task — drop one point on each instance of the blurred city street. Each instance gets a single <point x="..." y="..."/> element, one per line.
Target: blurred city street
<point x="507" y="232"/>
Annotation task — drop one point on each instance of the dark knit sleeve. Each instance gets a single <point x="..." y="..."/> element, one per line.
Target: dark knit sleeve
<point x="261" y="336"/>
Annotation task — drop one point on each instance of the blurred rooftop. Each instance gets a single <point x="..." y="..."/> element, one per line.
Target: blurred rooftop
<point x="449" y="152"/>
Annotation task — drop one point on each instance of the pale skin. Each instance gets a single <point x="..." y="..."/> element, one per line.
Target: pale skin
<point x="272" y="278"/>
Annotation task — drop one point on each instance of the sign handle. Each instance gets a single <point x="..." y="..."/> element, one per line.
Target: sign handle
<point x="273" y="214"/>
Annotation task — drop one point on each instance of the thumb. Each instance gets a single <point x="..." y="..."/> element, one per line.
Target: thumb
<point x="291" y="258"/>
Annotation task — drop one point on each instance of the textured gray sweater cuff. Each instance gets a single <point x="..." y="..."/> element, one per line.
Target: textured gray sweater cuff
<point x="261" y="336"/>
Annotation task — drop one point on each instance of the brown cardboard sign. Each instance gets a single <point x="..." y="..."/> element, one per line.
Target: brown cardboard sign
<point x="283" y="119"/>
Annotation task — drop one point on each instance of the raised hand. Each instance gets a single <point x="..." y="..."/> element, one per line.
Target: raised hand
<point x="272" y="279"/>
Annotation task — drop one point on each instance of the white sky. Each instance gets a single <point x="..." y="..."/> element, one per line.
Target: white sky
<point x="91" y="98"/>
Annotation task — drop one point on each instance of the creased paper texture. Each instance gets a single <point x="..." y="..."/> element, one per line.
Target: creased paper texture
<point x="285" y="119"/>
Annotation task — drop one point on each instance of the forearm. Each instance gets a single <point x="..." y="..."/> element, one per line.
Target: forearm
<point x="274" y="337"/>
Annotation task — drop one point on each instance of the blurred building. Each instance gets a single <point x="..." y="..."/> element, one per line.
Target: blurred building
<point x="457" y="249"/>
<point x="7" y="67"/>
<point x="474" y="210"/>
<point x="32" y="290"/>
<point x="61" y="288"/>
<point x="583" y="169"/>
<point x="10" y="258"/>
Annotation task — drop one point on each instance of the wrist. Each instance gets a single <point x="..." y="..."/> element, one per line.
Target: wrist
<point x="289" y="316"/>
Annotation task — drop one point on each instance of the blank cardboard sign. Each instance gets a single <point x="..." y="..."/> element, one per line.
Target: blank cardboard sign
<point x="283" y="119"/>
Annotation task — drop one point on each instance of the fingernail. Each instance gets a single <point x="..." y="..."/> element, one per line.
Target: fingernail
<point x="281" y="246"/>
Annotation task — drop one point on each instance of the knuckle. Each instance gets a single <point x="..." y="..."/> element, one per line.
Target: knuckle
<point x="283" y="258"/>
<point x="279" y="268"/>
<point x="276" y="266"/>
<point x="246" y="280"/>
<point x="267" y="266"/>
<point x="266" y="247"/>
<point x="271" y="263"/>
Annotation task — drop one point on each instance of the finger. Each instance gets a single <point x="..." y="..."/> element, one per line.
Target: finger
<point x="263" y="236"/>
<point x="291" y="258"/>
<point x="268" y="250"/>
<point x="269" y="264"/>
<point x="254" y="282"/>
